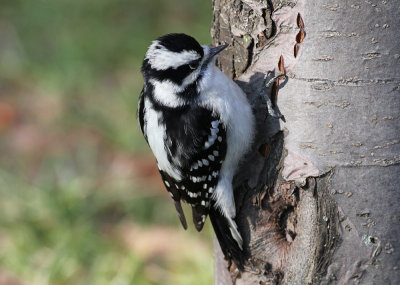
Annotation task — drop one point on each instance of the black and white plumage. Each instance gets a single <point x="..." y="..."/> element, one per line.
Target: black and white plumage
<point x="199" y="124"/>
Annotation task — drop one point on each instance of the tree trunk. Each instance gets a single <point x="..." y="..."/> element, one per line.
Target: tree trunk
<point x="317" y="200"/>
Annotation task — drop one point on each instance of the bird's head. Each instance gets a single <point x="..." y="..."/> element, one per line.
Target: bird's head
<point x="178" y="59"/>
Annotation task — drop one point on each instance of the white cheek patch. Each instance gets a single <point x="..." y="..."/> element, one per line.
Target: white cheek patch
<point x="165" y="93"/>
<point x="161" y="59"/>
<point x="191" y="78"/>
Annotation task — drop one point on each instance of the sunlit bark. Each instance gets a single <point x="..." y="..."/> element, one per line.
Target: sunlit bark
<point x="318" y="198"/>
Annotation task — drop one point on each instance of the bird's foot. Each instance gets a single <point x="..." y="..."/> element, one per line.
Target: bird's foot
<point x="268" y="84"/>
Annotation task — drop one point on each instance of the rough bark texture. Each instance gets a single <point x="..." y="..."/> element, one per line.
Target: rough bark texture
<point x="318" y="198"/>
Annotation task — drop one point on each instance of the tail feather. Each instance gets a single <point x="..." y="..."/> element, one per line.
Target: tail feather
<point x="181" y="214"/>
<point x="235" y="233"/>
<point x="228" y="237"/>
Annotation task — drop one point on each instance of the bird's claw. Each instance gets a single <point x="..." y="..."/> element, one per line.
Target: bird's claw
<point x="271" y="111"/>
<point x="273" y="79"/>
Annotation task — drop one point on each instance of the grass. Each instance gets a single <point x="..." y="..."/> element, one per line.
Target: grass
<point x="81" y="201"/>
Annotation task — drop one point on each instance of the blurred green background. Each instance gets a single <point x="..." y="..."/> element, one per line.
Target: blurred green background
<point x="80" y="197"/>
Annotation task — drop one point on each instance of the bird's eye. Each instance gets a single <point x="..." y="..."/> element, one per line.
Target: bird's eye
<point x="192" y="66"/>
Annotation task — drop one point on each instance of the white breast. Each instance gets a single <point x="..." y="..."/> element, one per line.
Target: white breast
<point x="223" y="96"/>
<point x="156" y="138"/>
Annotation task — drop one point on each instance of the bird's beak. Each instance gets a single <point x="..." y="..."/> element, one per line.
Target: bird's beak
<point x="215" y="50"/>
<point x="212" y="52"/>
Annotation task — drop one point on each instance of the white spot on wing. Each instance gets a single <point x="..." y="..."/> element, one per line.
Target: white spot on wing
<point x="214" y="132"/>
<point x="215" y="123"/>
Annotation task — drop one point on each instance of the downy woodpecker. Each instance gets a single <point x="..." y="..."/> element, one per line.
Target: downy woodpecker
<point x="199" y="124"/>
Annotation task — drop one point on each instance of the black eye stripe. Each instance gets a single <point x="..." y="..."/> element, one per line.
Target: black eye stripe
<point x="176" y="75"/>
<point x="195" y="62"/>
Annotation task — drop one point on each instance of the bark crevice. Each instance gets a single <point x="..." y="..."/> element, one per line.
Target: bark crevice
<point x="341" y="132"/>
<point x="270" y="208"/>
<point x="281" y="220"/>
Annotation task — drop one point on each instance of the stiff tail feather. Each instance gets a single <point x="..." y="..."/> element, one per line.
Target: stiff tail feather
<point x="228" y="237"/>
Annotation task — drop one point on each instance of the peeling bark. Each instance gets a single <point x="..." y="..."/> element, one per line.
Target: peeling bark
<point x="317" y="199"/>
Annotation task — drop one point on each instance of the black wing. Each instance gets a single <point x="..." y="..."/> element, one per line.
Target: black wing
<point x="196" y="145"/>
<point x="198" y="142"/>
<point x="140" y="113"/>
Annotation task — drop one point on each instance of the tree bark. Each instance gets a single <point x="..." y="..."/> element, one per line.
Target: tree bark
<point x="318" y="198"/>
